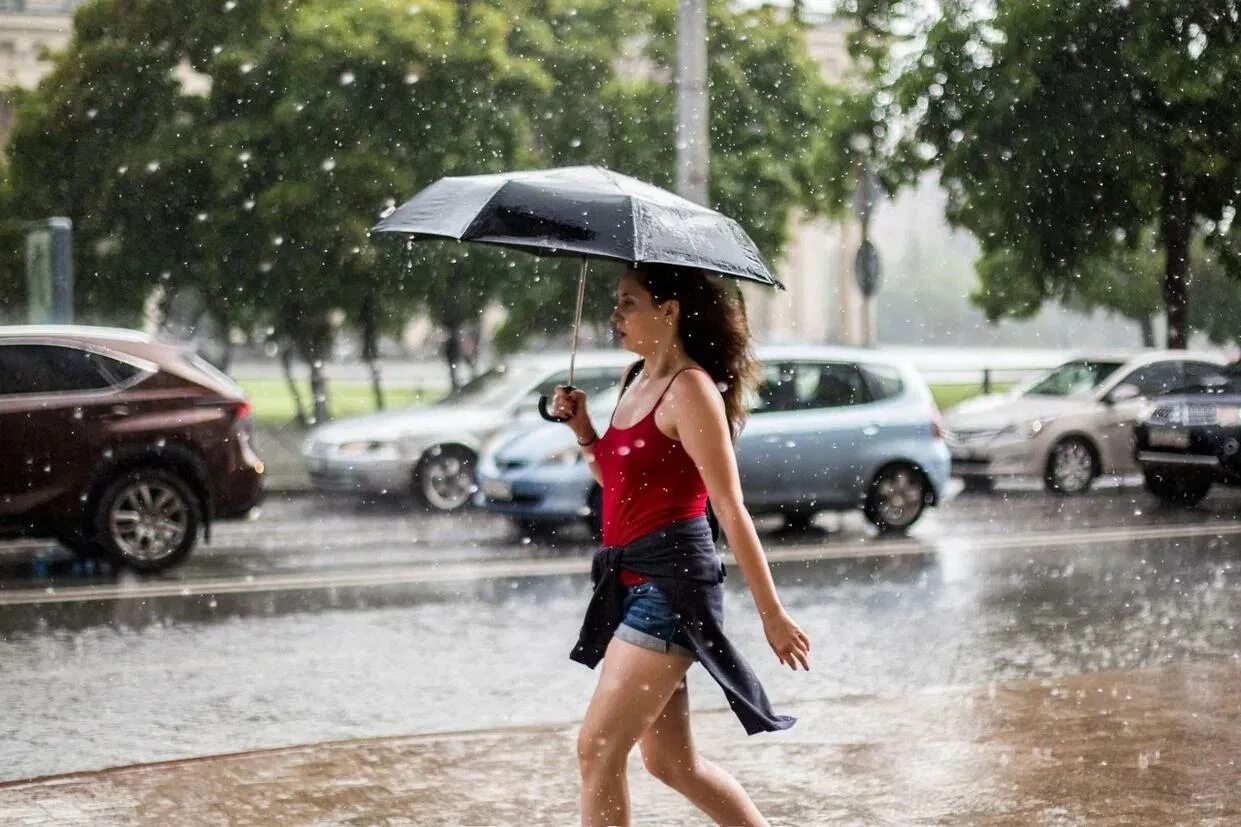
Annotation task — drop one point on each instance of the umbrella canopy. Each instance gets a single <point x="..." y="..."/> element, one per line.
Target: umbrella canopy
<point x="584" y="211"/>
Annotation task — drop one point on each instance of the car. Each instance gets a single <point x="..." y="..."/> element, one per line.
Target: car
<point x="1069" y="425"/>
<point x="831" y="428"/>
<point x="1191" y="439"/>
<point x="119" y="445"/>
<point x="432" y="450"/>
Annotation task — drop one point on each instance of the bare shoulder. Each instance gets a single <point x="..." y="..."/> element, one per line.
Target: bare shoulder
<point x="695" y="392"/>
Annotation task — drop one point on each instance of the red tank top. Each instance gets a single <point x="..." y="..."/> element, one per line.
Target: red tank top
<point x="649" y="481"/>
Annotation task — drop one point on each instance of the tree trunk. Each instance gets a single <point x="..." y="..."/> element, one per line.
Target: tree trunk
<point x="286" y="364"/>
<point x="370" y="347"/>
<point x="313" y="341"/>
<point x="452" y="352"/>
<point x="1147" y="325"/>
<point x="1175" y="230"/>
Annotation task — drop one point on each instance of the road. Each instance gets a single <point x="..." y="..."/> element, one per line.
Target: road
<point x="334" y="619"/>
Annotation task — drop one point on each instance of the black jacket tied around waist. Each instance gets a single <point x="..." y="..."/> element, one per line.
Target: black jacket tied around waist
<point x="681" y="561"/>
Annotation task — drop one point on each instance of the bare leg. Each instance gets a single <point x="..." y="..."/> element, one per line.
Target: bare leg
<point x="669" y="754"/>
<point x="634" y="686"/>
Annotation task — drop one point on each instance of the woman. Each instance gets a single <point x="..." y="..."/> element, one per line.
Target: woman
<point x="657" y="605"/>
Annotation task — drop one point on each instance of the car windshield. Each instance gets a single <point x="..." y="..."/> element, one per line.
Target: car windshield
<point x="1073" y="378"/>
<point x="494" y="387"/>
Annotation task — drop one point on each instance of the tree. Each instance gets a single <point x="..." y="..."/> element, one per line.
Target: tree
<point x="1063" y="130"/>
<point x="616" y="106"/>
<point x="259" y="193"/>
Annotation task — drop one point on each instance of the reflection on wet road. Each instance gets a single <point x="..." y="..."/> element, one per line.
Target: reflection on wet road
<point x="325" y="621"/>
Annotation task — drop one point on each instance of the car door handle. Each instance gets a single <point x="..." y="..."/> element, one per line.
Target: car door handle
<point x="870" y="430"/>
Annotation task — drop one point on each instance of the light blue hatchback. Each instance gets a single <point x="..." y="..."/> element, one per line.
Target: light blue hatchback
<point x="832" y="429"/>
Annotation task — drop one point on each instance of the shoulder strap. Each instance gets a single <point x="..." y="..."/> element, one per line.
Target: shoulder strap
<point x="668" y="386"/>
<point x="634" y="370"/>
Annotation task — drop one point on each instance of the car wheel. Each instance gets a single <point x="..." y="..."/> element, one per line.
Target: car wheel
<point x="1071" y="466"/>
<point x="444" y="479"/>
<point x="1176" y="489"/>
<point x="896" y="498"/>
<point x="148" y="519"/>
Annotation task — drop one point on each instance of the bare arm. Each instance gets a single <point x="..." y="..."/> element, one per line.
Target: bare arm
<point x="697" y="410"/>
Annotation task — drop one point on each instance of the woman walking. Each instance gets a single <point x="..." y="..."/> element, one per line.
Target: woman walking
<point x="657" y="605"/>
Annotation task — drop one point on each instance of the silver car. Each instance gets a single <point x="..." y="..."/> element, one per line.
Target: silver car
<point x="433" y="449"/>
<point x="1069" y="425"/>
<point x="832" y="429"/>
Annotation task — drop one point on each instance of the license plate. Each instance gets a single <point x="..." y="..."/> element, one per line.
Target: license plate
<point x="497" y="490"/>
<point x="1169" y="438"/>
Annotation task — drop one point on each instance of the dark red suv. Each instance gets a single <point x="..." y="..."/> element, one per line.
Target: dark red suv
<point x="119" y="445"/>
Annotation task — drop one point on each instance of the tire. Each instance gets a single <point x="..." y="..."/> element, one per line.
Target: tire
<point x="444" y="479"/>
<point x="1176" y="489"/>
<point x="147" y="519"/>
<point x="896" y="498"/>
<point x="1072" y="466"/>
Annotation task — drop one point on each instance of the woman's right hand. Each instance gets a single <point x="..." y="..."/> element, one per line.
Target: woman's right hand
<point x="571" y="407"/>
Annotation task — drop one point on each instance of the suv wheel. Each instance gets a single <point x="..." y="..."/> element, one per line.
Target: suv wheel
<point x="444" y="478"/>
<point x="896" y="498"/>
<point x="1176" y="489"/>
<point x="148" y="519"/>
<point x="1071" y="466"/>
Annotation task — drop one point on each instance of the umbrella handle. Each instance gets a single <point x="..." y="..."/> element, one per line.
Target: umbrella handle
<point x="545" y="411"/>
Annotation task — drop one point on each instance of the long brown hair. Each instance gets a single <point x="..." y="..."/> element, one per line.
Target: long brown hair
<point x="713" y="330"/>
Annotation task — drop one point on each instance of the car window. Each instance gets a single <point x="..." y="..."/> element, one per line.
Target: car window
<point x="1073" y="378"/>
<point x="1197" y="372"/>
<point x="774" y="391"/>
<point x="1157" y="378"/>
<point x="828" y="385"/>
<point x="883" y="381"/>
<point x="590" y="380"/>
<point x="56" y="368"/>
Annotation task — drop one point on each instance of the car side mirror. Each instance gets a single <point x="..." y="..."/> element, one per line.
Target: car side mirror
<point x="1123" y="393"/>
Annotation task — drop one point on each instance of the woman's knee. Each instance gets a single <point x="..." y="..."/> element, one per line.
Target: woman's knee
<point x="671" y="767"/>
<point x="598" y="749"/>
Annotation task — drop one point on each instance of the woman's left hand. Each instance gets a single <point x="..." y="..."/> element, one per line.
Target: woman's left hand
<point x="788" y="641"/>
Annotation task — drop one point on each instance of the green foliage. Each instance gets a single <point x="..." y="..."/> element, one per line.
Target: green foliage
<point x="247" y="192"/>
<point x="1063" y="131"/>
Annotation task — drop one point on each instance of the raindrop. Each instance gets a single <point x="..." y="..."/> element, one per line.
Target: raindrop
<point x="347" y="78"/>
<point x="248" y="204"/>
<point x="153" y="166"/>
<point x="91" y="113"/>
<point x="575" y="143"/>
<point x="202" y="216"/>
<point x="244" y="157"/>
<point x="278" y="240"/>
<point x="247" y="68"/>
<point x="328" y="164"/>
<point x="230" y="5"/>
<point x="411" y="78"/>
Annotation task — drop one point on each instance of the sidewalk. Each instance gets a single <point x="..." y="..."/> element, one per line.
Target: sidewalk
<point x="1152" y="747"/>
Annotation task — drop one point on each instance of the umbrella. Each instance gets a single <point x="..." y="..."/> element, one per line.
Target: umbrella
<point x="585" y="211"/>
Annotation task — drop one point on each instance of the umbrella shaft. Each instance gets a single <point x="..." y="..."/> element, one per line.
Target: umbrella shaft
<point x="577" y="318"/>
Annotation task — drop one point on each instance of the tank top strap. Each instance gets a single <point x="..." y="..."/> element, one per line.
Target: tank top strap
<point x="668" y="386"/>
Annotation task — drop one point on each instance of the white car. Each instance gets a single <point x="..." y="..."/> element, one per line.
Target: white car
<point x="433" y="449"/>
<point x="1070" y="424"/>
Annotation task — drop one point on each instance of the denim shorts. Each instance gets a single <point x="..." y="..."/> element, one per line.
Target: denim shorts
<point x="649" y="622"/>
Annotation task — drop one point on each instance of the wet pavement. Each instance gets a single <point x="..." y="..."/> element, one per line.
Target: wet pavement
<point x="329" y="620"/>
<point x="1132" y="748"/>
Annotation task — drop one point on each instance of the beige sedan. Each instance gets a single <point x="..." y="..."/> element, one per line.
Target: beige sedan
<point x="1069" y="425"/>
